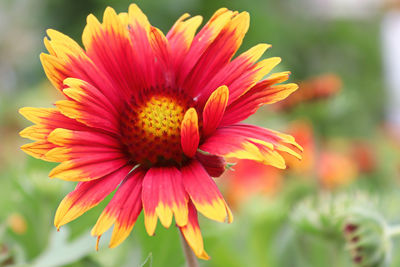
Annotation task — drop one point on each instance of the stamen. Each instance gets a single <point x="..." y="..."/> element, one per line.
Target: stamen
<point x="150" y="128"/>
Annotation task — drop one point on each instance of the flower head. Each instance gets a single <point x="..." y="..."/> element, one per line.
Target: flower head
<point x="353" y="219"/>
<point x="367" y="238"/>
<point x="154" y="115"/>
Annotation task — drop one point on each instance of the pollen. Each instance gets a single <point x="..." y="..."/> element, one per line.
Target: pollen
<point x="151" y="128"/>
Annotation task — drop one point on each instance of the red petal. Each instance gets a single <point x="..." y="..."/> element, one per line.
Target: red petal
<point x="214" y="110"/>
<point x="68" y="59"/>
<point x="190" y="136"/>
<point x="204" y="192"/>
<point x="218" y="53"/>
<point x="123" y="209"/>
<point x="245" y="141"/>
<point x="163" y="195"/>
<point x="202" y="41"/>
<point x="110" y="47"/>
<point x="51" y="118"/>
<point x="192" y="234"/>
<point x="88" y="106"/>
<point x="87" y="195"/>
<point x="257" y="96"/>
<point x="180" y="38"/>
<point x="237" y="75"/>
<point x="65" y="137"/>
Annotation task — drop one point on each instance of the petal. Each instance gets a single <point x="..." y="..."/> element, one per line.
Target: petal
<point x="88" y="106"/>
<point x="68" y="59"/>
<point x="214" y="165"/>
<point x="204" y="193"/>
<point x="239" y="73"/>
<point x="84" y="155"/>
<point x="243" y="141"/>
<point x="214" y="109"/>
<point x="121" y="47"/>
<point x="192" y="234"/>
<point x="190" y="136"/>
<point x="202" y="41"/>
<point x="147" y="67"/>
<point x="109" y="46"/>
<point x="38" y="149"/>
<point x="88" y="114"/>
<point x="36" y="132"/>
<point x="65" y="137"/>
<point x="247" y="80"/>
<point x="78" y="152"/>
<point x="257" y="96"/>
<point x="280" y="92"/>
<point x="180" y="37"/>
<point x="123" y="209"/>
<point x="57" y="66"/>
<point x="163" y="195"/>
<point x="87" y="195"/>
<point x="218" y="53"/>
<point x="47" y="120"/>
<point x="50" y="117"/>
<point x="89" y="168"/>
<point x="159" y="44"/>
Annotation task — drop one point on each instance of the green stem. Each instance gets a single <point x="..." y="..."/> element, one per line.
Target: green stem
<point x="191" y="260"/>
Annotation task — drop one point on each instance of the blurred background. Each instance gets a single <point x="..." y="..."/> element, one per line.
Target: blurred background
<point x="344" y="54"/>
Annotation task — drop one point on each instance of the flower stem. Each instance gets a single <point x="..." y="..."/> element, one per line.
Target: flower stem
<point x="191" y="260"/>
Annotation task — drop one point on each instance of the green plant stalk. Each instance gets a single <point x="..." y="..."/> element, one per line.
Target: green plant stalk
<point x="191" y="260"/>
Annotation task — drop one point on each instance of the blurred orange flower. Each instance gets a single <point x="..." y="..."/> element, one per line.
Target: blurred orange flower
<point x="251" y="178"/>
<point x="17" y="223"/>
<point x="336" y="169"/>
<point x="364" y="155"/>
<point x="320" y="87"/>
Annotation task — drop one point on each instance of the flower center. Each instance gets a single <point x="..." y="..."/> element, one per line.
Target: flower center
<point x="151" y="128"/>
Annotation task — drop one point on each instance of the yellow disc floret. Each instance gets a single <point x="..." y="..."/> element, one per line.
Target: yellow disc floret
<point x="151" y="128"/>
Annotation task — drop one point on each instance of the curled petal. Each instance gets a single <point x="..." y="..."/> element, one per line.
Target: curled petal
<point x="190" y="136"/>
<point x="214" y="109"/>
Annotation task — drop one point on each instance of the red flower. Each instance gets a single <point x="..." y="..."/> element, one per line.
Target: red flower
<point x="153" y="116"/>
